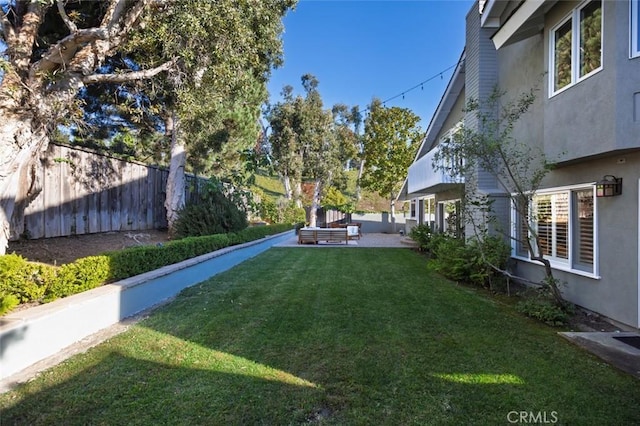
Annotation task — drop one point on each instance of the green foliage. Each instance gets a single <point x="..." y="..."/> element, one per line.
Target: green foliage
<point x="25" y="280"/>
<point x="334" y="199"/>
<point x="422" y="234"/>
<point x="471" y="261"/>
<point x="541" y="305"/>
<point x="391" y="139"/>
<point x="8" y="302"/>
<point x="22" y="281"/>
<point x="308" y="142"/>
<point x="83" y="274"/>
<point x="215" y="213"/>
<point x="281" y="211"/>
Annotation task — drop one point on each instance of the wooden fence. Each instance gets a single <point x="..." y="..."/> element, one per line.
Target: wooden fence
<point x="84" y="192"/>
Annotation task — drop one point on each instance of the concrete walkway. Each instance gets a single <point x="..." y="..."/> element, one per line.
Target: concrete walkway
<point x="608" y="347"/>
<point x="367" y="240"/>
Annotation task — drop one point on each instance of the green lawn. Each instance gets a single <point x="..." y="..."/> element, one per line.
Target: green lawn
<point x="334" y="336"/>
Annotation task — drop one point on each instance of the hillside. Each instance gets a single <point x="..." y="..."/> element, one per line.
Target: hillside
<point x="273" y="188"/>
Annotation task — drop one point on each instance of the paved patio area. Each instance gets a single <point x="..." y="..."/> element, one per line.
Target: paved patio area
<point x="367" y="240"/>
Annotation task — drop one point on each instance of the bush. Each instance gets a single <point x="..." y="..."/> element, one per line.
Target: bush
<point x="268" y="211"/>
<point x="215" y="213"/>
<point x="450" y="257"/>
<point x="282" y="211"/>
<point x="422" y="234"/>
<point x="8" y="302"/>
<point x="76" y="277"/>
<point x="26" y="281"/>
<point x="469" y="262"/>
<point x="543" y="309"/>
<point x="22" y="281"/>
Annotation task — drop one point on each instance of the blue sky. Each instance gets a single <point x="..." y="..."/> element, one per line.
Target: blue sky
<point x="364" y="49"/>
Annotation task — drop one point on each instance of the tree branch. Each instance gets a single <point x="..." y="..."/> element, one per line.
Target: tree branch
<point x="113" y="13"/>
<point x="65" y="18"/>
<point x="9" y="33"/>
<point x="62" y="52"/>
<point x="129" y="76"/>
<point x="25" y="38"/>
<point x="134" y="14"/>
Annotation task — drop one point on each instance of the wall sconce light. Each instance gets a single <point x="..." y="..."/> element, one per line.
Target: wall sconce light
<point x="609" y="186"/>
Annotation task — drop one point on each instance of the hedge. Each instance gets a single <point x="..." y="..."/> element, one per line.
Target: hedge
<point x="22" y="281"/>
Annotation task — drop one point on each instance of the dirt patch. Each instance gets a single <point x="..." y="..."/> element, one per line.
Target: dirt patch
<point x="61" y="250"/>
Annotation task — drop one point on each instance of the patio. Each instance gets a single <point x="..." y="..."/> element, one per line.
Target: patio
<point x="367" y="240"/>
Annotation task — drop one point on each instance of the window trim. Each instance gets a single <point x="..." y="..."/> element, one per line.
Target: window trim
<point x="634" y="28"/>
<point x="568" y="265"/>
<point x="574" y="17"/>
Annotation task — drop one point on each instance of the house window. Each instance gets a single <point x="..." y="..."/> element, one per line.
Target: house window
<point x="564" y="224"/>
<point x="576" y="46"/>
<point x="413" y="209"/>
<point x="635" y="32"/>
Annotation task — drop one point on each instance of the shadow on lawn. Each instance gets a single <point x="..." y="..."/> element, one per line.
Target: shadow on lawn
<point x="147" y="392"/>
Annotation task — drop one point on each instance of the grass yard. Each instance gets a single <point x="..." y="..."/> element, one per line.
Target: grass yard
<point x="334" y="336"/>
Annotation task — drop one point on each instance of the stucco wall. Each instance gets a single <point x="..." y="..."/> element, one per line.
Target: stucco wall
<point x="615" y="292"/>
<point x="591" y="130"/>
<point x="583" y="120"/>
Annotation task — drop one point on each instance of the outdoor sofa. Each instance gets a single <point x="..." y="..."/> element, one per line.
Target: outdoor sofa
<point x="330" y="235"/>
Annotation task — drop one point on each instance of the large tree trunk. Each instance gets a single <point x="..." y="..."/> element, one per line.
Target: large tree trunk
<point x="20" y="150"/>
<point x="315" y="203"/>
<point x="32" y="103"/>
<point x="176" y="181"/>
<point x="393" y="213"/>
<point x="288" y="192"/>
<point x="358" y="187"/>
<point x="297" y="193"/>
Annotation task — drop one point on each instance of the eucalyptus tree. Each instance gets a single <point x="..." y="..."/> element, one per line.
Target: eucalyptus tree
<point x="320" y="146"/>
<point x="285" y="146"/>
<point x="305" y="142"/>
<point x="52" y="50"/>
<point x="391" y="139"/>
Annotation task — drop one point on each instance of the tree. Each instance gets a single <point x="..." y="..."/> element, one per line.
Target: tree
<point x="517" y="166"/>
<point x="53" y="50"/>
<point x="321" y="153"/>
<point x="284" y="142"/>
<point x="391" y="139"/>
<point x="305" y="142"/>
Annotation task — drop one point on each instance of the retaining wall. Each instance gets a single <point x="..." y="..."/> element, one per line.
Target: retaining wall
<point x="34" y="334"/>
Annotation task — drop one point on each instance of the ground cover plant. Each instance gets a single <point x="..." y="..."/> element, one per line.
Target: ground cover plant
<point x="333" y="336"/>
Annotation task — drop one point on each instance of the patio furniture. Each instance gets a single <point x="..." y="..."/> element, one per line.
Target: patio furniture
<point x="353" y="232"/>
<point x="316" y="235"/>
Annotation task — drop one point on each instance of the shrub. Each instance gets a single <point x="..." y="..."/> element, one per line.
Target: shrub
<point x="26" y="281"/>
<point x="138" y="260"/>
<point x="8" y="302"/>
<point x="469" y="261"/>
<point x="482" y="254"/>
<point x="22" y="281"/>
<point x="293" y="214"/>
<point x="81" y="275"/>
<point x="543" y="309"/>
<point x="268" y="211"/>
<point x="282" y="211"/>
<point x="421" y="234"/>
<point x="215" y="213"/>
<point x="450" y="257"/>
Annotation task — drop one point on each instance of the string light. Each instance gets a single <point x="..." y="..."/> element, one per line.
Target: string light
<point x="420" y="85"/>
